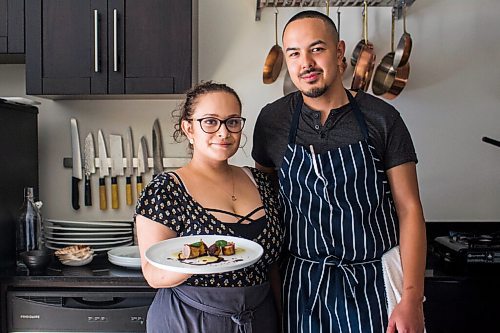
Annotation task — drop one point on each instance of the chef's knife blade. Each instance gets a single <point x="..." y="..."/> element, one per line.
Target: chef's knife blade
<point x="77" y="164"/>
<point x="129" y="168"/>
<point x="142" y="156"/>
<point x="157" y="149"/>
<point x="103" y="170"/>
<point x="88" y="166"/>
<point x="116" y="148"/>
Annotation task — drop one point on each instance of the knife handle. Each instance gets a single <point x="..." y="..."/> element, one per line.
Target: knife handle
<point x="102" y="194"/>
<point x="128" y="189"/>
<point x="139" y="186"/>
<point x="114" y="193"/>
<point x="87" y="191"/>
<point x="75" y="196"/>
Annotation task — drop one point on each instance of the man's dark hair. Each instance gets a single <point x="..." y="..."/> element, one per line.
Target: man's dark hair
<point x="316" y="15"/>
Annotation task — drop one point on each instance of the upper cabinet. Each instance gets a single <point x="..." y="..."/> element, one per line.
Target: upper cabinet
<point x="107" y="47"/>
<point x="11" y="31"/>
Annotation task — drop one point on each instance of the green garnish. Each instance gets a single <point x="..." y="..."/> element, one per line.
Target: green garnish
<point x="221" y="243"/>
<point x="197" y="244"/>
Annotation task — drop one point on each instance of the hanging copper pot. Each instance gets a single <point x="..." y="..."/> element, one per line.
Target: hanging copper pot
<point x="288" y="85"/>
<point x="365" y="61"/>
<point x="403" y="51"/>
<point x="344" y="61"/>
<point x="274" y="59"/>
<point x="389" y="81"/>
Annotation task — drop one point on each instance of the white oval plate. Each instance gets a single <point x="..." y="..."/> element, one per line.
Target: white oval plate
<point x="57" y="227"/>
<point x="164" y="255"/>
<point x="125" y="263"/>
<point x="92" y="223"/>
<point x="58" y="233"/>
<point x="96" y="249"/>
<point x="125" y="252"/>
<point x="84" y="239"/>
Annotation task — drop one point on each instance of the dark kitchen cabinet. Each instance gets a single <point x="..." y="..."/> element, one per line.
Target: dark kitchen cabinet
<point x="462" y="305"/>
<point x="106" y="47"/>
<point x="11" y="31"/>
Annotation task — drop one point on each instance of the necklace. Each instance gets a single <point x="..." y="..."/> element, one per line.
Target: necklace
<point x="233" y="197"/>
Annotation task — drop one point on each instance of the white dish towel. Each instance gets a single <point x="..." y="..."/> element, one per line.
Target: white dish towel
<point x="393" y="278"/>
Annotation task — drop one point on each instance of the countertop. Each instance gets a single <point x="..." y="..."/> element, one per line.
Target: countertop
<point x="99" y="273"/>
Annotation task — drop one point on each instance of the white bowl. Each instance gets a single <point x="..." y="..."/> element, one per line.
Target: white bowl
<point x="77" y="262"/>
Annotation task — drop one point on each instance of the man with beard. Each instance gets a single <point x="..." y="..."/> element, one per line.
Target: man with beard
<point x="349" y="194"/>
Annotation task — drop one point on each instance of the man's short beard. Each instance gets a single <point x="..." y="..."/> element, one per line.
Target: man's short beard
<point x="315" y="92"/>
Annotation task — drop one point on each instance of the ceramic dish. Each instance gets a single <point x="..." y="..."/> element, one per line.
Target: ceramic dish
<point x="88" y="240"/>
<point x="95" y="248"/>
<point x="62" y="228"/>
<point x="164" y="255"/>
<point x="91" y="223"/>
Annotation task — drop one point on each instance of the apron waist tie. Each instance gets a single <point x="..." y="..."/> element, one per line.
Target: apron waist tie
<point x="243" y="318"/>
<point x="345" y="271"/>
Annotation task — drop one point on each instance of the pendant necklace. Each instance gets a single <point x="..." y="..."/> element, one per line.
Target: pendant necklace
<point x="233" y="197"/>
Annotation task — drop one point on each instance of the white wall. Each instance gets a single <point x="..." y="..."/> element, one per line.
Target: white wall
<point x="450" y="102"/>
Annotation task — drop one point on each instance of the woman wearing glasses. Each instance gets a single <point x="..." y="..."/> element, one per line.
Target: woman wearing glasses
<point x="210" y="196"/>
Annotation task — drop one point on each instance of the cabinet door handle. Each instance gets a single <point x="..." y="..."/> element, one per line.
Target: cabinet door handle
<point x="96" y="41"/>
<point x="115" y="40"/>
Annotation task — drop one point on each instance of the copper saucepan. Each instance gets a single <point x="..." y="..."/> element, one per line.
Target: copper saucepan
<point x="344" y="61"/>
<point x="366" y="60"/>
<point x="274" y="59"/>
<point x="288" y="85"/>
<point x="403" y="51"/>
<point x="389" y="81"/>
<point x="360" y="44"/>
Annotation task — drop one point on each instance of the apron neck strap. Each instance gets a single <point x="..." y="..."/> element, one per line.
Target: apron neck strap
<point x="358" y="114"/>
<point x="295" y="119"/>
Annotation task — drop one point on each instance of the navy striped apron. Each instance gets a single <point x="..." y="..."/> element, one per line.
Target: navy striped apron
<point x="340" y="219"/>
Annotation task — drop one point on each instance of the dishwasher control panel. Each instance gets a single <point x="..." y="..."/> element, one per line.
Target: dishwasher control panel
<point x="78" y="311"/>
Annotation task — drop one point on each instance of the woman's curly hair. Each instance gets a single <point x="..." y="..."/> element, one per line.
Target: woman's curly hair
<point x="186" y="109"/>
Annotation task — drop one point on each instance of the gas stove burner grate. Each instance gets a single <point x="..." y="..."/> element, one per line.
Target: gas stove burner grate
<point x="476" y="240"/>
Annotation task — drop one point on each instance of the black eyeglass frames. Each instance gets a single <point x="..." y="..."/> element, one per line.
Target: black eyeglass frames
<point x="211" y="124"/>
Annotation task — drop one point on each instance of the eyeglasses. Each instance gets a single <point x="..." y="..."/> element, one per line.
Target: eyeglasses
<point x="211" y="125"/>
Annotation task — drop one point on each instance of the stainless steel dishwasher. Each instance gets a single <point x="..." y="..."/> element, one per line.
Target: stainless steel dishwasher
<point x="96" y="310"/>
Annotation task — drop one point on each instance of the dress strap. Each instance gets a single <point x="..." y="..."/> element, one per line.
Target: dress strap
<point x="173" y="173"/>
<point x="241" y="217"/>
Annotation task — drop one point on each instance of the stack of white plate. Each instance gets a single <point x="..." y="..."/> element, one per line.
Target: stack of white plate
<point x="99" y="235"/>
<point x="125" y="256"/>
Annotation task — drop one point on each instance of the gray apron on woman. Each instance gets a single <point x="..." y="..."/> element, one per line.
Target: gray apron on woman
<point x="189" y="309"/>
<point x="340" y="219"/>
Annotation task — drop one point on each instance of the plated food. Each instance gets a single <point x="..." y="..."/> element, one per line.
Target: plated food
<point x="204" y="254"/>
<point x="197" y="249"/>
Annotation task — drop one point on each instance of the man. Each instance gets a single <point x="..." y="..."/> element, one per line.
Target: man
<point x="348" y="186"/>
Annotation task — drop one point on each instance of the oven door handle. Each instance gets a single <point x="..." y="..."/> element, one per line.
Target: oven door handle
<point x="96" y="301"/>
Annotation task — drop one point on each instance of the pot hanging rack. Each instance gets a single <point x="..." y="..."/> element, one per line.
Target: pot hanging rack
<point x="398" y="5"/>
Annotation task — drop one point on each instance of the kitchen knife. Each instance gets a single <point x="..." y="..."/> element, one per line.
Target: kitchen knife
<point x="142" y="156"/>
<point x="115" y="144"/>
<point x="88" y="166"/>
<point x="77" y="164"/>
<point x="157" y="149"/>
<point x="129" y="151"/>
<point x="103" y="170"/>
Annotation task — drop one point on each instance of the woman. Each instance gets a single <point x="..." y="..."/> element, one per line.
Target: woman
<point x="210" y="196"/>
